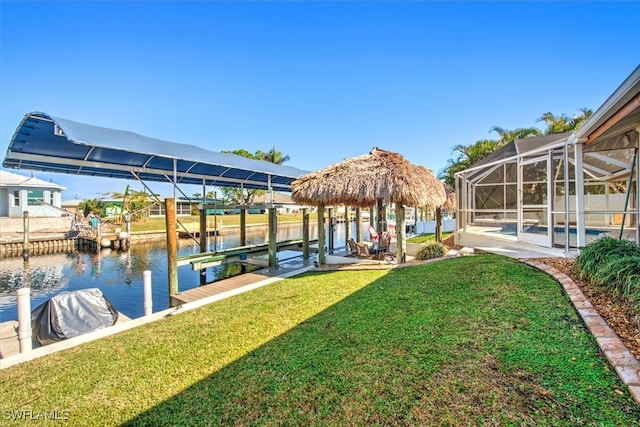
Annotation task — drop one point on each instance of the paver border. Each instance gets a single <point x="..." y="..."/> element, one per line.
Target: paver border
<point x="619" y="356"/>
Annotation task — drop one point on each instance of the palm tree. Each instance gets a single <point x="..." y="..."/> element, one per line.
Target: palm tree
<point x="507" y="136"/>
<point x="272" y="156"/>
<point x="468" y="155"/>
<point x="246" y="197"/>
<point x="562" y="123"/>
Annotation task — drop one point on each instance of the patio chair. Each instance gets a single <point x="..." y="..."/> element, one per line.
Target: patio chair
<point x="373" y="234"/>
<point x="383" y="246"/>
<point x="353" y="247"/>
<point x="363" y="250"/>
<point x="391" y="230"/>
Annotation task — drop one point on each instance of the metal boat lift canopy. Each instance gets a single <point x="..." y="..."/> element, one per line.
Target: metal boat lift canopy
<point x="51" y="144"/>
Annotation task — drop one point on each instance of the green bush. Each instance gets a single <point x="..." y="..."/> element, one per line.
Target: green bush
<point x="604" y="249"/>
<point x="613" y="264"/>
<point x="431" y="250"/>
<point x="622" y="275"/>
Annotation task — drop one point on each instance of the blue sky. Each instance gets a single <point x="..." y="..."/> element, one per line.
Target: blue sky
<point x="320" y="81"/>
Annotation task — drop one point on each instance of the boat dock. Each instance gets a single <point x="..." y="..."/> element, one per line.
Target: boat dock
<point x="288" y="262"/>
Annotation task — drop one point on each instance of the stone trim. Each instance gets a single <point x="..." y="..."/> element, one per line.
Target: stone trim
<point x="619" y="356"/>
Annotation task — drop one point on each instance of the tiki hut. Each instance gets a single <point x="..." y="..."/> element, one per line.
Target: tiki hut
<point x="375" y="179"/>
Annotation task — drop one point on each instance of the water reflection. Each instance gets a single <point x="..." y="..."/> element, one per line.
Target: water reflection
<point x="119" y="274"/>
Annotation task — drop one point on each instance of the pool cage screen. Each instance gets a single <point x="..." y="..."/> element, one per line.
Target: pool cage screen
<point x="553" y="191"/>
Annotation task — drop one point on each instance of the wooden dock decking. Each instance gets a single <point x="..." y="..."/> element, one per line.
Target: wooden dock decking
<point x="231" y="284"/>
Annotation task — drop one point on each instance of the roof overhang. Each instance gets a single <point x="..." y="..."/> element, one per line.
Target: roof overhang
<point x="619" y="114"/>
<point x="50" y="144"/>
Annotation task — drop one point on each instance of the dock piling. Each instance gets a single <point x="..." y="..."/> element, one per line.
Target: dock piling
<point x="24" y="319"/>
<point x="148" y="299"/>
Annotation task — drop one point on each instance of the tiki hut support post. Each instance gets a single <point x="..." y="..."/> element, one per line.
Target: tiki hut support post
<point x="380" y="218"/>
<point x="273" y="239"/>
<point x="321" y="259"/>
<point x="330" y="221"/>
<point x="372" y="217"/>
<point x="439" y="224"/>
<point x="305" y="233"/>
<point x="347" y="226"/>
<point x="401" y="242"/>
<point x="358" y="228"/>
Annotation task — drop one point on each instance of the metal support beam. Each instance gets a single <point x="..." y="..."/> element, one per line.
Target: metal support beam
<point x="580" y="225"/>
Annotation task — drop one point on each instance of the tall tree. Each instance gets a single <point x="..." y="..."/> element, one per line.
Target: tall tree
<point x="272" y="156"/>
<point x="247" y="196"/>
<point x="562" y="123"/>
<point x="467" y="156"/>
<point x="135" y="202"/>
<point x="508" y="135"/>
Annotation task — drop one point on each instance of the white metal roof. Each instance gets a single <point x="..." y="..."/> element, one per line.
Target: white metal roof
<point x="52" y="144"/>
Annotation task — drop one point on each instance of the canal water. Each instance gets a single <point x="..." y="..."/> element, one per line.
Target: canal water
<point x="119" y="274"/>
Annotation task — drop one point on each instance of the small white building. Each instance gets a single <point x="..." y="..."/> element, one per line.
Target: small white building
<point x="19" y="193"/>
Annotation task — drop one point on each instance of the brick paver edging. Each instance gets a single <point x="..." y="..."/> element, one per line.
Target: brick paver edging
<point x="621" y="359"/>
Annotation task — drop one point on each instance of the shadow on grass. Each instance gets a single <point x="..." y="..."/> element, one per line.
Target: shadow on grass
<point x="456" y="342"/>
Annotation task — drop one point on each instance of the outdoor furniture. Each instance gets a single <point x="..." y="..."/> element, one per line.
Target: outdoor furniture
<point x="353" y="247"/>
<point x="363" y="250"/>
<point x="383" y="246"/>
<point x="373" y="234"/>
<point x="391" y="230"/>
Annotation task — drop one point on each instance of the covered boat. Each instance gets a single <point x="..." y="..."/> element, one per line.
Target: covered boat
<point x="70" y="314"/>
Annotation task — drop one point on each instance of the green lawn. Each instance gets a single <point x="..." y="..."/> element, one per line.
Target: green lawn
<point x="427" y="237"/>
<point x="498" y="344"/>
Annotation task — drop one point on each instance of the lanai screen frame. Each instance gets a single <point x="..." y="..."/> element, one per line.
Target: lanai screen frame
<point x="597" y="164"/>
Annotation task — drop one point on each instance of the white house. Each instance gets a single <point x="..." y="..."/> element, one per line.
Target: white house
<point x="19" y="193"/>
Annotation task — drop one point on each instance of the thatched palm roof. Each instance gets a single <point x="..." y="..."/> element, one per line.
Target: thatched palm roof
<point x="451" y="204"/>
<point x="364" y="180"/>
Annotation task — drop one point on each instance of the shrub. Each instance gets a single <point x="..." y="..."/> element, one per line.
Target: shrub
<point x="431" y="250"/>
<point x="613" y="264"/>
<point x="604" y="249"/>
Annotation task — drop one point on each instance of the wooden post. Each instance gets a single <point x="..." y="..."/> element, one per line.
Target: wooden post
<point x="215" y="221"/>
<point x="372" y="217"/>
<point x="243" y="227"/>
<point x="99" y="238"/>
<point x="305" y="233"/>
<point x="321" y="258"/>
<point x="273" y="237"/>
<point x="401" y="241"/>
<point x="203" y="241"/>
<point x="439" y="224"/>
<point x="380" y="227"/>
<point x="331" y="223"/>
<point x="358" y="225"/>
<point x="25" y="239"/>
<point x="203" y="229"/>
<point x="172" y="247"/>
<point x="347" y="225"/>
